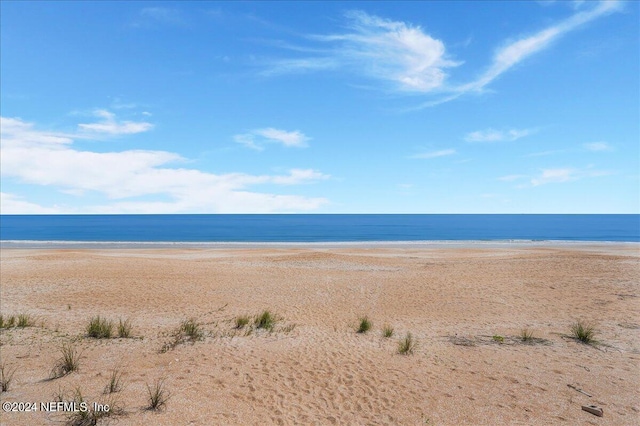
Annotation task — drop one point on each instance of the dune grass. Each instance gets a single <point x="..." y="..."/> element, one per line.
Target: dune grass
<point x="241" y="321"/>
<point x="526" y="335"/>
<point x="583" y="332"/>
<point x="100" y="328"/>
<point x="157" y="395"/>
<point x="364" y="326"/>
<point x="6" y="377"/>
<point x="20" y="321"/>
<point x="266" y="320"/>
<point x="406" y="345"/>
<point x="68" y="363"/>
<point x="387" y="331"/>
<point x="124" y="328"/>
<point x="192" y="330"/>
<point x="116" y="384"/>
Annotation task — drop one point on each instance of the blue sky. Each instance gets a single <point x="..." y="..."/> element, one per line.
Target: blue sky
<point x="320" y="107"/>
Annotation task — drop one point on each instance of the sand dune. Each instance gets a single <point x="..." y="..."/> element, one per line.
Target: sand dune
<point x="313" y="368"/>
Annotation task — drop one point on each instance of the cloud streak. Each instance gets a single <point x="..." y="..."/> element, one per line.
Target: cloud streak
<point x="434" y="154"/>
<point x="48" y="159"/>
<point x="492" y="135"/>
<point x="258" y="138"/>
<point x="110" y="126"/>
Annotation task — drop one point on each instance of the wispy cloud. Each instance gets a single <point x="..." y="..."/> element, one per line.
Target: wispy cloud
<point x="49" y="159"/>
<point x="256" y="139"/>
<point x="518" y="50"/>
<point x="408" y="59"/>
<point x="492" y="135"/>
<point x="111" y="126"/>
<point x="391" y="51"/>
<point x="434" y="154"/>
<point x="288" y="66"/>
<point x="598" y="146"/>
<point x="566" y="175"/>
<point x="554" y="176"/>
<point x="545" y="153"/>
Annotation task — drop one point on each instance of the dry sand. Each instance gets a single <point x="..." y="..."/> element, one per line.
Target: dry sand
<point x="314" y="368"/>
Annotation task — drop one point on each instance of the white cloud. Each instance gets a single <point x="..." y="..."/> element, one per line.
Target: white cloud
<point x="554" y="176"/>
<point x="545" y="153"/>
<point x="491" y="135"/>
<point x="256" y="139"/>
<point x="434" y="154"/>
<point x="14" y="204"/>
<point x="391" y="51"/>
<point x="516" y="51"/>
<point x="598" y="146"/>
<point x="110" y="126"/>
<point x="48" y="159"/>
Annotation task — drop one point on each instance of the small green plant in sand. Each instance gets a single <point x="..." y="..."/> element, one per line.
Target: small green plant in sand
<point x="365" y="325"/>
<point x="498" y="338"/>
<point x="20" y="321"/>
<point x="189" y="331"/>
<point x="68" y="363"/>
<point x="192" y="330"/>
<point x="241" y="321"/>
<point x="406" y="345"/>
<point x="158" y="395"/>
<point x="6" y="377"/>
<point x="387" y="331"/>
<point x="100" y="328"/>
<point x="115" y="382"/>
<point x="526" y="335"/>
<point x="7" y="322"/>
<point x="583" y="332"/>
<point x="25" y="320"/>
<point x="90" y="416"/>
<point x="124" y="328"/>
<point x="266" y="320"/>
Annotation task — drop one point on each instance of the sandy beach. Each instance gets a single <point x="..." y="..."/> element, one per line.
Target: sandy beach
<point x="465" y="308"/>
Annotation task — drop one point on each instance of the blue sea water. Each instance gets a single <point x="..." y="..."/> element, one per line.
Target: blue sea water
<point x="318" y="228"/>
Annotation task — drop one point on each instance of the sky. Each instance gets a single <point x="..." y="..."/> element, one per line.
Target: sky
<point x="320" y="107"/>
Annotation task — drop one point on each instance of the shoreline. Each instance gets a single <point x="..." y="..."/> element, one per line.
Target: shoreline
<point x="424" y="244"/>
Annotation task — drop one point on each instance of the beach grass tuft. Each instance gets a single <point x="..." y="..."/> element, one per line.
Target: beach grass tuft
<point x="583" y="332"/>
<point x="158" y="395"/>
<point x="6" y="377"/>
<point x="365" y="325"/>
<point x="20" y="321"/>
<point x="192" y="330"/>
<point x="189" y="331"/>
<point x="241" y="321"/>
<point x="100" y="328"/>
<point x="124" y="328"/>
<point x="115" y="382"/>
<point x="24" y="320"/>
<point x="406" y="345"/>
<point x="266" y="320"/>
<point x="526" y="335"/>
<point x="68" y="363"/>
<point x="387" y="331"/>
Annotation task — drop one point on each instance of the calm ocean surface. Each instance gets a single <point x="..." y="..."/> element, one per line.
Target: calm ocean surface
<point x="318" y="228"/>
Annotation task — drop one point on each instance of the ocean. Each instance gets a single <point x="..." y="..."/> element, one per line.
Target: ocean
<point x="318" y="228"/>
